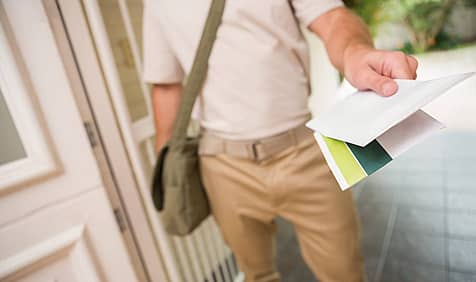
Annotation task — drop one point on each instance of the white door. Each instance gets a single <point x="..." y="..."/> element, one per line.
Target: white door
<point x="56" y="223"/>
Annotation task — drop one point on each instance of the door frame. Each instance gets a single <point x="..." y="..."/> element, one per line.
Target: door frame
<point x="78" y="52"/>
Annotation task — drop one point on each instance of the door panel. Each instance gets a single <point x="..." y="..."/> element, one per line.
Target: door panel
<point x="14" y="149"/>
<point x="25" y="154"/>
<point x="56" y="222"/>
<point x="65" y="143"/>
<point x="76" y="240"/>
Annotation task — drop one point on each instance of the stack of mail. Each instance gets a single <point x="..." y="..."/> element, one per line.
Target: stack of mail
<point x="363" y="132"/>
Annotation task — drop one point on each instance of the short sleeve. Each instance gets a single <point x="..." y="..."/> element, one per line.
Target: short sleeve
<point x="308" y="10"/>
<point x="160" y="64"/>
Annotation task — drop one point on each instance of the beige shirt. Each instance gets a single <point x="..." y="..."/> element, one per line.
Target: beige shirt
<point x="257" y="83"/>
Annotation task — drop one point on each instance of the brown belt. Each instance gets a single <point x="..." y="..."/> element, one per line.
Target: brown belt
<point x="257" y="150"/>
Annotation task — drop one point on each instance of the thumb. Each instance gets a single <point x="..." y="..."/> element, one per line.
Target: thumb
<point x="383" y="85"/>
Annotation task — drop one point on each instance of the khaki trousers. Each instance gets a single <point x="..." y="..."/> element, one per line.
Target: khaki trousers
<point x="296" y="184"/>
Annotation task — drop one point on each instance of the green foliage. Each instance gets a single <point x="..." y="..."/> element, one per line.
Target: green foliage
<point x="369" y="10"/>
<point x="443" y="42"/>
<point x="424" y="19"/>
<point x="470" y="3"/>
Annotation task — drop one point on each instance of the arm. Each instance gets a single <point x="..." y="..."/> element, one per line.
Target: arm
<point x="350" y="49"/>
<point x="165" y="102"/>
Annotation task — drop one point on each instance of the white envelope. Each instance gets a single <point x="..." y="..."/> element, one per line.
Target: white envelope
<point x="364" y="132"/>
<point x="364" y="115"/>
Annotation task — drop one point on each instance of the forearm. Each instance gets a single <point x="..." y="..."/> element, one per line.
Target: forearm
<point x="350" y="49"/>
<point x="165" y="102"/>
<point x="342" y="33"/>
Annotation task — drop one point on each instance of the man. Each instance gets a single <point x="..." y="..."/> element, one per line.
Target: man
<point x="257" y="159"/>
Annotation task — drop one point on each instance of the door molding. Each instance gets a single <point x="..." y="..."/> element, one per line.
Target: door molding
<point x="79" y="57"/>
<point x="39" y="251"/>
<point x="40" y="159"/>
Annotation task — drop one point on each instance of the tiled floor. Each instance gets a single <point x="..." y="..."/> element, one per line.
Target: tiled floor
<point x="418" y="217"/>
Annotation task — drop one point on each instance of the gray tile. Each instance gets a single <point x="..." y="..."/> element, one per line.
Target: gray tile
<point x="454" y="140"/>
<point x="432" y="161"/>
<point x="426" y="199"/>
<point x="461" y="154"/>
<point x="373" y="214"/>
<point x="294" y="270"/>
<point x="286" y="242"/>
<point x="288" y="251"/>
<point x="461" y="181"/>
<point x="289" y="261"/>
<point x="460" y="166"/>
<point x="357" y="189"/>
<point x="417" y="247"/>
<point x="396" y="270"/>
<point x="424" y="180"/>
<point x="454" y="160"/>
<point x="285" y="231"/>
<point x="462" y="201"/>
<point x="416" y="181"/>
<point x="462" y="224"/>
<point x="387" y="177"/>
<point x="420" y="220"/>
<point x="371" y="263"/>
<point x="428" y="164"/>
<point x="461" y="277"/>
<point x="398" y="165"/>
<point x="297" y="275"/>
<point x="462" y="255"/>
<point x="377" y="192"/>
<point x="373" y="220"/>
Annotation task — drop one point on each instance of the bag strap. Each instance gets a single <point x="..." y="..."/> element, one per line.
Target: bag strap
<point x="197" y="75"/>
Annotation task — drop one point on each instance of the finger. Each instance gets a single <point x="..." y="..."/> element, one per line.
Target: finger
<point x="399" y="66"/>
<point x="384" y="86"/>
<point x="413" y="64"/>
<point x="392" y="64"/>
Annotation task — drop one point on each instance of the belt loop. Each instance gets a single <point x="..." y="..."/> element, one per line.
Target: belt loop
<point x="294" y="138"/>
<point x="223" y="146"/>
<point x="254" y="150"/>
<point x="250" y="150"/>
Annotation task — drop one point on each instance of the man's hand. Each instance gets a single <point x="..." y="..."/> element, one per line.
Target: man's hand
<point x="350" y="49"/>
<point x="367" y="68"/>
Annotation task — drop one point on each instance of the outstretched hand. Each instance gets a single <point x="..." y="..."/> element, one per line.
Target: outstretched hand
<point x="369" y="69"/>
